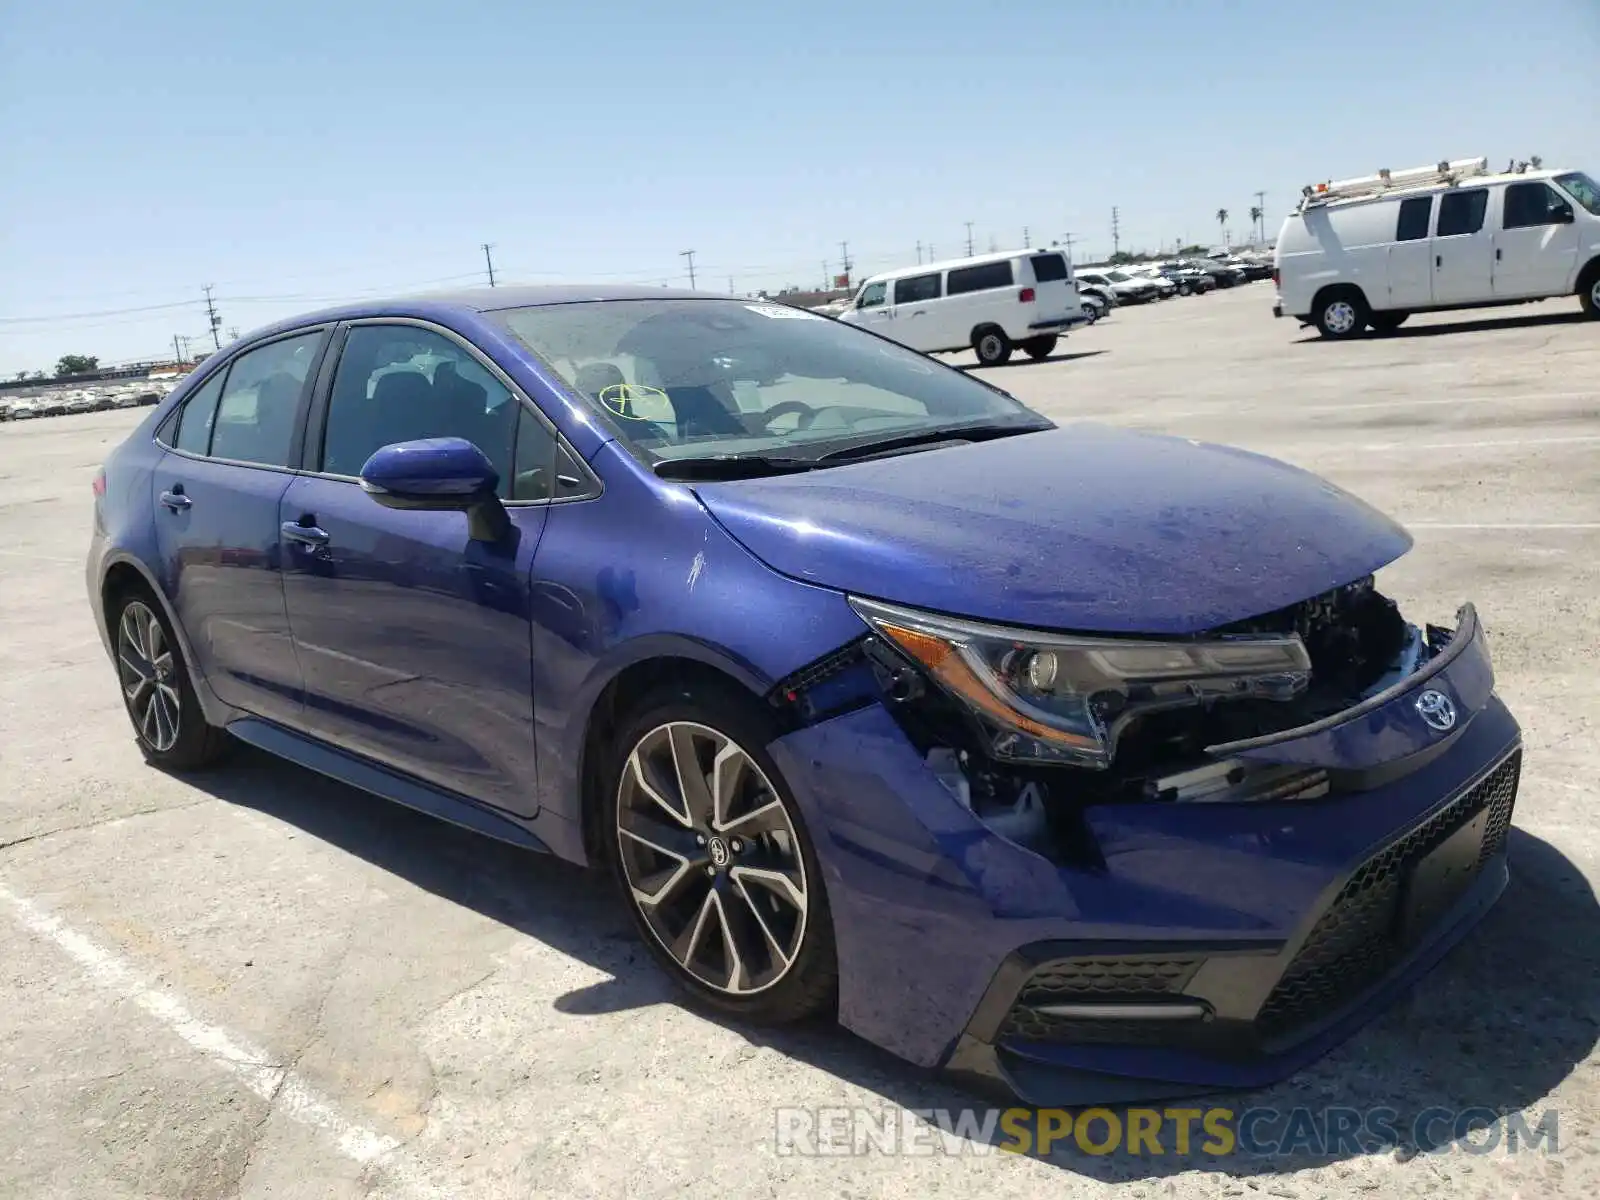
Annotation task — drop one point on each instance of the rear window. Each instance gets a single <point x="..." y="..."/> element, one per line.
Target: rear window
<point x="981" y="278"/>
<point x="1047" y="268"/>
<point x="1462" y="212"/>
<point x="918" y="287"/>
<point x="1414" y="216"/>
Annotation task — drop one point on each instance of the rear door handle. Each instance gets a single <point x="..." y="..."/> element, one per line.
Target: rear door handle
<point x="1497" y="254"/>
<point x="1438" y="260"/>
<point x="174" y="498"/>
<point x="306" y="535"/>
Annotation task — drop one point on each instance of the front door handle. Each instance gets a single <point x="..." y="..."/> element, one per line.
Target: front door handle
<point x="306" y="535"/>
<point x="1438" y="261"/>
<point x="1497" y="257"/>
<point x="174" y="498"/>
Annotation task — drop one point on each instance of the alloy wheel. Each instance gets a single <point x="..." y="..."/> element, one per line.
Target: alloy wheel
<point x="148" y="671"/>
<point x="711" y="858"/>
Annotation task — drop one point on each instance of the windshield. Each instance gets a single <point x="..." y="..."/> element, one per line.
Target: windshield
<point x="1118" y="277"/>
<point x="687" y="378"/>
<point x="1582" y="189"/>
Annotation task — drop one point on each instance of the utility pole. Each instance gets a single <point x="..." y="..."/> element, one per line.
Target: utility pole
<point x="844" y="257"/>
<point x="489" y="261"/>
<point x="730" y="285"/>
<point x="1116" y="232"/>
<point x="216" y="321"/>
<point x="931" y="256"/>
<point x="919" y="254"/>
<point x="1261" y="206"/>
<point x="689" y="254"/>
<point x="177" y="354"/>
<point x="969" y="239"/>
<point x="1026" y="244"/>
<point x="1066" y="240"/>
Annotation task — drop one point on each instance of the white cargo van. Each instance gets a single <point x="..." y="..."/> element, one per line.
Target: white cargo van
<point x="990" y="303"/>
<point x="1372" y="251"/>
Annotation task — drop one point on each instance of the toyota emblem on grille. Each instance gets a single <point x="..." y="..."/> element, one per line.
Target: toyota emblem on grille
<point x="1437" y="710"/>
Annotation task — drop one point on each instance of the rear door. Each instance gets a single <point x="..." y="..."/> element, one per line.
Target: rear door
<point x="217" y="491"/>
<point x="413" y="638"/>
<point x="1536" y="246"/>
<point x="919" y="312"/>
<point x="1411" y="255"/>
<point x="1058" y="294"/>
<point x="1463" y="249"/>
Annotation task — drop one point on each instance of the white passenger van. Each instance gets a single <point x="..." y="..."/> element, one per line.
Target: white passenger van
<point x="990" y="303"/>
<point x="1374" y="250"/>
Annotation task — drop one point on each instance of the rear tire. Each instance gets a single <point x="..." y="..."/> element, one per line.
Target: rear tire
<point x="1387" y="322"/>
<point x="157" y="690"/>
<point x="703" y="870"/>
<point x="1341" y="313"/>
<point x="992" y="345"/>
<point x="1589" y="291"/>
<point x="1040" y="347"/>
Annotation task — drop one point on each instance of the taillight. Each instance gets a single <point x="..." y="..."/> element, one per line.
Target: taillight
<point x="1026" y="296"/>
<point x="1277" y="280"/>
<point x="99" y="484"/>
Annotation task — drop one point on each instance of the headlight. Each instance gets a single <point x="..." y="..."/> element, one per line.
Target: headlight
<point x="1044" y="697"/>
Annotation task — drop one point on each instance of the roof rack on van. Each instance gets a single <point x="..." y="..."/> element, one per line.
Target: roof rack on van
<point x="1446" y="172"/>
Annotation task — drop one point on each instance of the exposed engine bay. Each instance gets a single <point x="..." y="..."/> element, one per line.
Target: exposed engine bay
<point x="1160" y="734"/>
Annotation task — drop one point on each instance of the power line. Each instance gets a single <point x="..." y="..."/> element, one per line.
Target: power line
<point x="488" y="261"/>
<point x="689" y="254"/>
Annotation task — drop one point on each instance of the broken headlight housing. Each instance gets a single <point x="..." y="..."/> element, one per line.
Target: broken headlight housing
<point x="1058" y="698"/>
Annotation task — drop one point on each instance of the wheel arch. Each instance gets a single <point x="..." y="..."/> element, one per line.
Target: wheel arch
<point x="1329" y="290"/>
<point x="125" y="572"/>
<point x="1588" y="274"/>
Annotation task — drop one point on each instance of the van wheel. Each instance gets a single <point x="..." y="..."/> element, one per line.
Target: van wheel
<point x="1589" y="290"/>
<point x="1040" y="347"/>
<point x="1387" y="322"/>
<point x="992" y="345"/>
<point x="1341" y="313"/>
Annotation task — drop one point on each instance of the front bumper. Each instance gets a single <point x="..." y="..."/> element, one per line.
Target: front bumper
<point x="1276" y="927"/>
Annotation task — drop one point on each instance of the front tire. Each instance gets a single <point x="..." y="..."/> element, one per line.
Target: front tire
<point x="1341" y="314"/>
<point x="992" y="346"/>
<point x="714" y="861"/>
<point x="157" y="690"/>
<point x="1040" y="347"/>
<point x="1589" y="293"/>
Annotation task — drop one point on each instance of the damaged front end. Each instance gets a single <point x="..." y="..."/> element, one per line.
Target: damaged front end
<point x="1028" y="730"/>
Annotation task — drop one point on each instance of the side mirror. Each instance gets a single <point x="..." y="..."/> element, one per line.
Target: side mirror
<point x="1564" y="215"/>
<point x="439" y="475"/>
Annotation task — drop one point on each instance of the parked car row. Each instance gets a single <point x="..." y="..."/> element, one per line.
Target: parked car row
<point x="24" y="406"/>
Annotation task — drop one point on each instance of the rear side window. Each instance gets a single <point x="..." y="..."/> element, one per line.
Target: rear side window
<point x="979" y="279"/>
<point x="1462" y="212"/>
<point x="918" y="287"/>
<point x="199" y="411"/>
<point x="260" y="403"/>
<point x="1414" y="215"/>
<point x="1047" y="268"/>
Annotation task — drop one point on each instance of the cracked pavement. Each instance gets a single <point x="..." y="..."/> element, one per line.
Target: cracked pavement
<point x="447" y="1016"/>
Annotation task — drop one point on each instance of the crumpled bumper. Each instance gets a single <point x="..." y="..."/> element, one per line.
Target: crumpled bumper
<point x="1237" y="937"/>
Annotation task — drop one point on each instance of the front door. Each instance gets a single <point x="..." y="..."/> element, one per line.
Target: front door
<point x="1536" y="247"/>
<point x="412" y="637"/>
<point x="873" y="311"/>
<point x="920" y="316"/>
<point x="217" y="492"/>
<point x="1463" y="251"/>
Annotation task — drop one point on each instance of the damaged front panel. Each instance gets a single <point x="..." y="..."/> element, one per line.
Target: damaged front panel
<point x="1027" y="730"/>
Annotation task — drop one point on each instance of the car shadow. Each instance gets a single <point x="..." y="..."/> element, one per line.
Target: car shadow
<point x="1497" y="1026"/>
<point x="1024" y="361"/>
<point x="1480" y="325"/>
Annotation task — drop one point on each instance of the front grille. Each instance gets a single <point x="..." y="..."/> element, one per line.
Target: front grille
<point x="1095" y="980"/>
<point x="1357" y="939"/>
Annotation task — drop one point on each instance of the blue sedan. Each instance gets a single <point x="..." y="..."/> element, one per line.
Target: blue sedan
<point x="1084" y="764"/>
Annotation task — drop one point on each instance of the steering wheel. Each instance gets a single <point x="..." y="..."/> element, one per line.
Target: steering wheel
<point x="784" y="408"/>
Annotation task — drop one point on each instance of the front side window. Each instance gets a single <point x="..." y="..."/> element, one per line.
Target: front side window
<point x="873" y="295"/>
<point x="918" y="287"/>
<point x="980" y="278"/>
<point x="1415" y="214"/>
<point x="1582" y="189"/>
<point x="199" y="413"/>
<point x="688" y="378"/>
<point x="402" y="383"/>
<point x="1532" y="204"/>
<point x="260" y="402"/>
<point x="1462" y="212"/>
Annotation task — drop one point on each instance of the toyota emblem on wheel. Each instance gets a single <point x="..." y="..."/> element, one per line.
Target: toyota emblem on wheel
<point x="1437" y="710"/>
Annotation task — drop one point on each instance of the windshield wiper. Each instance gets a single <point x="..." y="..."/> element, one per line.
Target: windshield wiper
<point x="731" y="466"/>
<point x="978" y="431"/>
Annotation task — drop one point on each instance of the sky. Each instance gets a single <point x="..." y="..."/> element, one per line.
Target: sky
<point x="298" y="154"/>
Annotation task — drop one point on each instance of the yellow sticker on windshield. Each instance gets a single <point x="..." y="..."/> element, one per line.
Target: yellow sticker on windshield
<point x="621" y="398"/>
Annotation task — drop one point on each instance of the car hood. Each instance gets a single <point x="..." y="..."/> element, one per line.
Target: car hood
<point x="1085" y="528"/>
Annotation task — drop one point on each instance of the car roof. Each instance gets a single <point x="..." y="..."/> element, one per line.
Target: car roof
<point x="471" y="302"/>
<point x="1406" y="192"/>
<point x="969" y="261"/>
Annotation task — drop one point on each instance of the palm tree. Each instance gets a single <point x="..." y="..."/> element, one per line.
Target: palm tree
<point x="1222" y="221"/>
<point x="1255" y="219"/>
